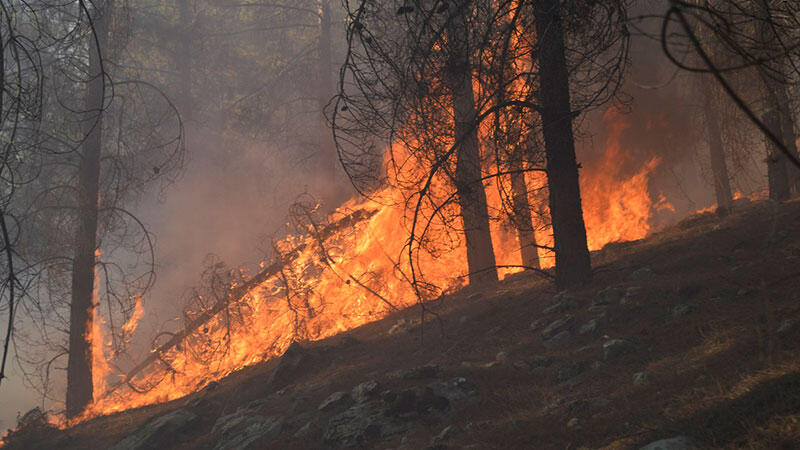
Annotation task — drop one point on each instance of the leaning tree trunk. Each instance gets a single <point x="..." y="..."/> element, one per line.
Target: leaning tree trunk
<point x="573" y="266"/>
<point x="719" y="169"/>
<point x="184" y="63"/>
<point x="471" y="194"/>
<point x="82" y="306"/>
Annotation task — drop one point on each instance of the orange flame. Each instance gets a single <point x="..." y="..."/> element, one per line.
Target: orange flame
<point x="361" y="271"/>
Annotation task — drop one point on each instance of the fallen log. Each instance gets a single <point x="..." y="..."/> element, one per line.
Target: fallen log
<point x="240" y="292"/>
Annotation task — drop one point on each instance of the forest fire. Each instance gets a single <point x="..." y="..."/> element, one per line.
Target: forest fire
<point x="329" y="282"/>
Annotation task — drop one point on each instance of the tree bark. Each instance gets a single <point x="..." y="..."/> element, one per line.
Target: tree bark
<point x="82" y="306"/>
<point x="573" y="266"/>
<point x="719" y="169"/>
<point x="522" y="213"/>
<point x="772" y="87"/>
<point x="469" y="187"/>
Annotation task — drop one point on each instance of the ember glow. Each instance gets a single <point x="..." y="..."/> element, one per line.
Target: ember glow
<point x="356" y="275"/>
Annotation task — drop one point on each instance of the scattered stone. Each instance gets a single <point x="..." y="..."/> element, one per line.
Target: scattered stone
<point x="674" y="443"/>
<point x="644" y="273"/>
<point x="574" y="423"/>
<point x="786" y="327"/>
<point x="742" y="292"/>
<point x="306" y="430"/>
<point x="690" y="291"/>
<point x="607" y="296"/>
<point x="448" y="433"/>
<point x="680" y="311"/>
<point x="565" y="304"/>
<point x="463" y="320"/>
<point x="589" y="328"/>
<point x="295" y="359"/>
<point x="556" y="327"/>
<point x="334" y="401"/>
<point x="160" y="432"/>
<point x="557" y="341"/>
<point x="420" y="373"/>
<point x="639" y="378"/>
<point x="394" y="413"/>
<point x="536" y="324"/>
<point x="571" y="370"/>
<point x="613" y="349"/>
<point x="364" y="391"/>
<point x="632" y="292"/>
<point x="501" y="357"/>
<point x="540" y="361"/>
<point x="241" y="432"/>
<point x="597" y="309"/>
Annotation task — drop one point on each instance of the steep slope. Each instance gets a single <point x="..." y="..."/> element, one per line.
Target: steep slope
<point x="692" y="332"/>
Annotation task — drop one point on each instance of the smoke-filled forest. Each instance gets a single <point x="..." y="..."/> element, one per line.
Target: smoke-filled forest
<point x="245" y="224"/>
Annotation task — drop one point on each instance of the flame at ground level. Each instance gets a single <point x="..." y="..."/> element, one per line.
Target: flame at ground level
<point x="357" y="276"/>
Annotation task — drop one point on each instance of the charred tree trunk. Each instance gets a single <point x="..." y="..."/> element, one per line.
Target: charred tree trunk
<point x="573" y="266"/>
<point x="777" y="174"/>
<point x="719" y="169"/>
<point x="788" y="135"/>
<point x="469" y="186"/>
<point x="772" y="86"/>
<point x="82" y="306"/>
<point x="522" y="213"/>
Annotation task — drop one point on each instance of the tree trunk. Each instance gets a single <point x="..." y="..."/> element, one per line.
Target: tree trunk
<point x="719" y="169"/>
<point x="777" y="170"/>
<point x="82" y="306"/>
<point x="777" y="174"/>
<point x="522" y="213"/>
<point x="327" y="158"/>
<point x="788" y="135"/>
<point x="573" y="266"/>
<point x="184" y="63"/>
<point x="470" y="190"/>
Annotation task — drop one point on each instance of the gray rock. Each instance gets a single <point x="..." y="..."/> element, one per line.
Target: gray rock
<point x="540" y="361"/>
<point x="420" y="373"/>
<point x="448" y="433"/>
<point x="394" y="413"/>
<point x="334" y="401"/>
<point x="501" y="357"/>
<point x="536" y="324"/>
<point x="674" y="443"/>
<point x="296" y="359"/>
<point x="680" y="311"/>
<point x="565" y="304"/>
<point x="589" y="328"/>
<point x="571" y="370"/>
<point x="639" y="378"/>
<point x="643" y="273"/>
<point x="598" y="309"/>
<point x="306" y="430"/>
<point x="557" y="327"/>
<point x="633" y="292"/>
<point x="786" y="327"/>
<point x="574" y="423"/>
<point x="159" y="432"/>
<point x="613" y="349"/>
<point x="364" y="391"/>
<point x="243" y="432"/>
<point x="607" y="296"/>
<point x="557" y="341"/>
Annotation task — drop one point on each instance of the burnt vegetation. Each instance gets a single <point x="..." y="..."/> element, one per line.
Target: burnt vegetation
<point x="488" y="231"/>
